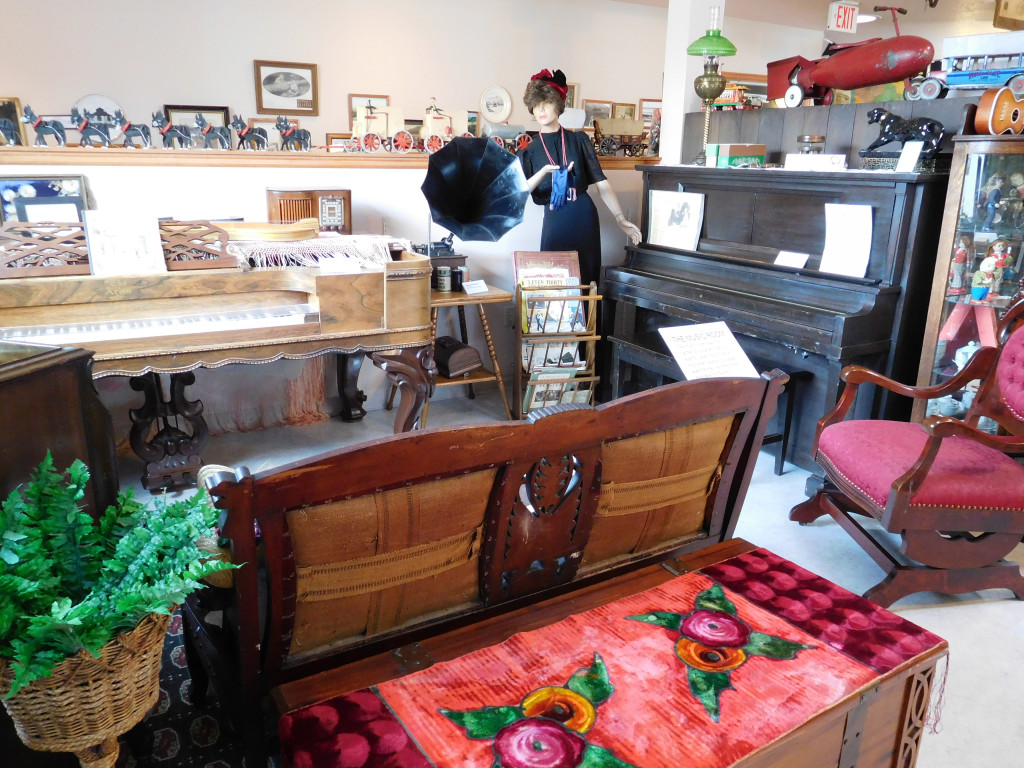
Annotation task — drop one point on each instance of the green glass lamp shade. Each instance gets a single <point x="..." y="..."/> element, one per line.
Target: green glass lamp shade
<point x="712" y="44"/>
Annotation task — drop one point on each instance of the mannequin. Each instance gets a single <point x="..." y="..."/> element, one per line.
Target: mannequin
<point x="570" y="219"/>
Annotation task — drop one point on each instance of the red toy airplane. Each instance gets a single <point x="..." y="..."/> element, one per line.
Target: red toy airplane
<point x="848" y="66"/>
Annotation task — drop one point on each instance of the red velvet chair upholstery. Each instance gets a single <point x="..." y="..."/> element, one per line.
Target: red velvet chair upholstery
<point x="954" y="495"/>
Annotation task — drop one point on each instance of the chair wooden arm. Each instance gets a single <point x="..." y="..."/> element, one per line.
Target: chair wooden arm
<point x="947" y="426"/>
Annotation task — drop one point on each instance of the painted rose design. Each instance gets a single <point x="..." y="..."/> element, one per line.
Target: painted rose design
<point x="713" y="641"/>
<point x="546" y="729"/>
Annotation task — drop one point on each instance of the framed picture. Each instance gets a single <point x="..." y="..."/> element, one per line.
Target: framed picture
<point x="42" y="198"/>
<point x="473" y="123"/>
<point x="285" y="88"/>
<point x="10" y="109"/>
<point x="338" y="142"/>
<point x="647" y="107"/>
<point x="675" y="219"/>
<point x="571" y="94"/>
<point x="592" y="108"/>
<point x="622" y="111"/>
<point x="374" y="100"/>
<point x="185" y="114"/>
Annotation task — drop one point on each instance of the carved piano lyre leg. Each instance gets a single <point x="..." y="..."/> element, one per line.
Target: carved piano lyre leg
<point x="413" y="373"/>
<point x="352" y="397"/>
<point x="171" y="455"/>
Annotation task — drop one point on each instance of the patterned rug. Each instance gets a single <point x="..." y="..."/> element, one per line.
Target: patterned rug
<point x="176" y="734"/>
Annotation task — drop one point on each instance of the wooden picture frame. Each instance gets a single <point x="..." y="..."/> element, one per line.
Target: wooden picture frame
<point x="286" y="88"/>
<point x="571" y="95"/>
<point x="623" y="111"/>
<point x="54" y="190"/>
<point x="338" y="142"/>
<point x="185" y="114"/>
<point x="598" y="108"/>
<point x="10" y="109"/>
<point x="363" y="100"/>
<point x="647" y="107"/>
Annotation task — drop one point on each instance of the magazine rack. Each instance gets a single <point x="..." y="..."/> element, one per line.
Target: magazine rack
<point x="556" y="336"/>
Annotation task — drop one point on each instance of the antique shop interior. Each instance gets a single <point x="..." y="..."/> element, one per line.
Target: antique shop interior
<point x="377" y="467"/>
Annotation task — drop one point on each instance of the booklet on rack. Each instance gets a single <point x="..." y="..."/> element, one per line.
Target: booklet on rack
<point x="708" y="350"/>
<point x="123" y="244"/>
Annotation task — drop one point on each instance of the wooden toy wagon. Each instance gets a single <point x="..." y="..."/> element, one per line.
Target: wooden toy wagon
<point x="611" y="135"/>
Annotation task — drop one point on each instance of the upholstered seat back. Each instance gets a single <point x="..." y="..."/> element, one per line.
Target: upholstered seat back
<point x="1001" y="396"/>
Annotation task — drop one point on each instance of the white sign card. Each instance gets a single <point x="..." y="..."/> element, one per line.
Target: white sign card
<point x="474" y="286"/>
<point x="814" y="161"/>
<point x="908" y="157"/>
<point x="708" y="350"/>
<point x="123" y="244"/>
<point x="847" y="239"/>
<point x="792" y="259"/>
<point x="675" y="219"/>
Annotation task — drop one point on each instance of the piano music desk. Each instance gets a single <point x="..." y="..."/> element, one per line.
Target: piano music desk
<point x="460" y="300"/>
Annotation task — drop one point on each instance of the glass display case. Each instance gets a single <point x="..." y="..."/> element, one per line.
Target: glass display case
<point x="978" y="267"/>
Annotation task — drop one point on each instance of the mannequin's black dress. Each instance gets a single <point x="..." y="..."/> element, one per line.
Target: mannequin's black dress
<point x="575" y="227"/>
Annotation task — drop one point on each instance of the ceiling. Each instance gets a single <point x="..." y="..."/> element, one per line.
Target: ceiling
<point x="811" y="14"/>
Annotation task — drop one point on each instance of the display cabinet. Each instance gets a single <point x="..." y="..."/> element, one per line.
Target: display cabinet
<point x="978" y="265"/>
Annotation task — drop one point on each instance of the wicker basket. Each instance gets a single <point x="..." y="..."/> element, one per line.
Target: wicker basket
<point x="86" y="703"/>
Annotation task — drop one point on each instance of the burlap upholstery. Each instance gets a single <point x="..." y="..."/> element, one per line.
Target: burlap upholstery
<point x="392" y="557"/>
<point x="655" y="489"/>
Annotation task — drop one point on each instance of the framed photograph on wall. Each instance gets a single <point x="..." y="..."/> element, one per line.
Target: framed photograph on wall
<point x="286" y="88"/>
<point x="42" y="198"/>
<point x="185" y="114"/>
<point x="10" y="109"/>
<point x="622" y="111"/>
<point x="473" y="123"/>
<point x="647" y="107"/>
<point x="571" y="94"/>
<point x="375" y="100"/>
<point x="598" y="108"/>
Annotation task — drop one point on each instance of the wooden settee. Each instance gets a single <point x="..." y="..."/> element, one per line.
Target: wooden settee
<point x="369" y="548"/>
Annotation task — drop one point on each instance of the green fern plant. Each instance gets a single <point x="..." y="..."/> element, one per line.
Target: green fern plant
<point x="68" y="582"/>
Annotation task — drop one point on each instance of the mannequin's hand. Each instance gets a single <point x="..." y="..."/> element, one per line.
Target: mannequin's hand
<point x="632" y="230"/>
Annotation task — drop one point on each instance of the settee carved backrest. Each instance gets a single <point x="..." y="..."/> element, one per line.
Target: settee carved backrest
<point x="348" y="550"/>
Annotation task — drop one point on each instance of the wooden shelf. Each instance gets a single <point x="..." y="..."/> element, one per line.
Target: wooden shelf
<point x="479" y="376"/>
<point x="191" y="158"/>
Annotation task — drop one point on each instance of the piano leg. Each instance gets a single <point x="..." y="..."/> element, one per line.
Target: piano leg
<point x="171" y="455"/>
<point x="413" y="373"/>
<point x="352" y="398"/>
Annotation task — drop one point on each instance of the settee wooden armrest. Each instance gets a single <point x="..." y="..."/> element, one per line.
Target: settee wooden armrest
<point x="368" y="548"/>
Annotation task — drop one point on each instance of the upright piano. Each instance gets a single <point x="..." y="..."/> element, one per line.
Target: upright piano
<point x="793" y="318"/>
<point x="146" y="325"/>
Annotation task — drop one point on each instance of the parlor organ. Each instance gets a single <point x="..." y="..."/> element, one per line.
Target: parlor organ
<point x="793" y="318"/>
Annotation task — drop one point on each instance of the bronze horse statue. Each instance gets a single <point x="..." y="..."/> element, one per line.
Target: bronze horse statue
<point x="895" y="128"/>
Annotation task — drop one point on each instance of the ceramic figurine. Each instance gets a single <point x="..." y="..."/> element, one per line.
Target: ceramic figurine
<point x="292" y="138"/>
<point x="984" y="278"/>
<point x="964" y="354"/>
<point x="1000" y="251"/>
<point x="992" y="195"/>
<point x="44" y="128"/>
<point x="132" y="131"/>
<point x="170" y="132"/>
<point x="211" y="133"/>
<point x="959" y="264"/>
<point x="895" y="128"/>
<point x="249" y="137"/>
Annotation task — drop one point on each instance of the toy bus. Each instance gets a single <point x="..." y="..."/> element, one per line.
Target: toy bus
<point x="974" y="61"/>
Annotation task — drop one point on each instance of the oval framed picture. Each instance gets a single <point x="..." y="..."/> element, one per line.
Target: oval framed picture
<point x="495" y="104"/>
<point x="101" y="110"/>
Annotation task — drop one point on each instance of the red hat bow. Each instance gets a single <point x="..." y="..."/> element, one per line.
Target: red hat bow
<point x="556" y="80"/>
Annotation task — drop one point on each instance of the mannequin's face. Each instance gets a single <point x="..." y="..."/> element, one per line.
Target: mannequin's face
<point x="546" y="114"/>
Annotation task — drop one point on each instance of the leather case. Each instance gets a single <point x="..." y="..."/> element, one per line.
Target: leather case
<point x="454" y="358"/>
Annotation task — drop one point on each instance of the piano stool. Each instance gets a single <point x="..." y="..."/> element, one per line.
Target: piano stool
<point x="665" y="367"/>
<point x="460" y="300"/>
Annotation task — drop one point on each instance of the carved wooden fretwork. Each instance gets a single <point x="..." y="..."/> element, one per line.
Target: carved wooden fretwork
<point x="541" y="502"/>
<point x="195" y="245"/>
<point x="42" y="248"/>
<point x="915" y="717"/>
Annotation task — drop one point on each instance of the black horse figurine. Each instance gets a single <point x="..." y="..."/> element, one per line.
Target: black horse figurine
<point x="44" y="128"/>
<point x="132" y="131"/>
<point x="170" y="132"/>
<point x="211" y="133"/>
<point x="895" y="128"/>
<point x="88" y="129"/>
<point x="293" y="138"/>
<point x="9" y="130"/>
<point x="249" y="137"/>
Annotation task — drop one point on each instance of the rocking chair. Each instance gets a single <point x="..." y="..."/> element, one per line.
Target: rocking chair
<point x="950" y="491"/>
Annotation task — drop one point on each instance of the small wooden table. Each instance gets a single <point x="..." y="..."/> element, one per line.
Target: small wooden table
<point x="460" y="300"/>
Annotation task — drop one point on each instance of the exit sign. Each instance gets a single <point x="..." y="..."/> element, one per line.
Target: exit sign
<point x="842" y="17"/>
